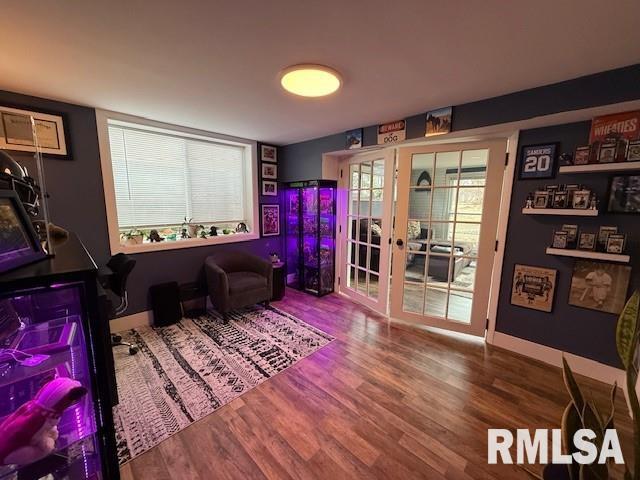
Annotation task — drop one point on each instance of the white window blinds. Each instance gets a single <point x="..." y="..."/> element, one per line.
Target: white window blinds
<point x="161" y="178"/>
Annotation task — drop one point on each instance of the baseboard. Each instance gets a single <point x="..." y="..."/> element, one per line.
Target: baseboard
<point x="140" y="319"/>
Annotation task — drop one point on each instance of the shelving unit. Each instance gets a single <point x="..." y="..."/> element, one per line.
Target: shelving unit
<point x="561" y="211"/>
<point x="600" y="167"/>
<point x="566" y="252"/>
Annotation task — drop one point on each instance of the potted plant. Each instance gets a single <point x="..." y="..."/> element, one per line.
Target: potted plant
<point x="192" y="228"/>
<point x="132" y="237"/>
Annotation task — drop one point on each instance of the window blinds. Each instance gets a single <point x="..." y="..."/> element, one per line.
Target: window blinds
<point x="162" y="178"/>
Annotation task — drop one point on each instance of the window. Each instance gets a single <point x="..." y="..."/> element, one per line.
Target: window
<point x="175" y="182"/>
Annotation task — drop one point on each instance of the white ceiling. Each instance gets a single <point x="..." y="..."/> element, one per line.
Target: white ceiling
<point x="214" y="65"/>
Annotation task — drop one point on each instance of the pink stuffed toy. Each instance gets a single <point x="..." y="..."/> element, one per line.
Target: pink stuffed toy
<point x="30" y="433"/>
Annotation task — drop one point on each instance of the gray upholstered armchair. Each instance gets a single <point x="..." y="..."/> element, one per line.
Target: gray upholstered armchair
<point x="237" y="279"/>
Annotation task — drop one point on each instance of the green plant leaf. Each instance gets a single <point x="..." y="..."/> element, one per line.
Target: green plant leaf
<point x="591" y="420"/>
<point x="627" y="330"/>
<point x="572" y="386"/>
<point x="571" y="423"/>
<point x="609" y="423"/>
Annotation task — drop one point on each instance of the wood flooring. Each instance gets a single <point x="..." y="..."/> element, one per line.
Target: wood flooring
<point x="381" y="402"/>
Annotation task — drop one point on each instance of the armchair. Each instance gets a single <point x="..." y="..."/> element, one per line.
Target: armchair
<point x="238" y="279"/>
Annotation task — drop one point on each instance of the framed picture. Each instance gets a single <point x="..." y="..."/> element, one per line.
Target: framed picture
<point x="581" y="155"/>
<point x="19" y="243"/>
<point x="268" y="153"/>
<point x="538" y="161"/>
<point x="438" y="122"/>
<point x="572" y="233"/>
<point x="581" y="199"/>
<point x="270" y="220"/>
<point x="615" y="243"/>
<point x="599" y="286"/>
<point x="607" y="153"/>
<point x="533" y="287"/>
<point x="633" y="153"/>
<point x="560" y="239"/>
<point x="269" y="188"/>
<point x="624" y="194"/>
<point x="269" y="170"/>
<point x="603" y="235"/>
<point x="16" y="131"/>
<point x="571" y="189"/>
<point x="587" y="241"/>
<point x="560" y="199"/>
<point x="540" y="199"/>
<point x="354" y="139"/>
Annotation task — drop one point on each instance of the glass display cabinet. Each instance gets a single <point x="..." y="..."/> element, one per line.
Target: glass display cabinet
<point x="52" y="325"/>
<point x="310" y="212"/>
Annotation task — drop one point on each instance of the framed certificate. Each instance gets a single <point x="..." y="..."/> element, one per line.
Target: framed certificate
<point x="16" y="132"/>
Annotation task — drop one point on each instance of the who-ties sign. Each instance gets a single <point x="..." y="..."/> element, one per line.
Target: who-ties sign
<point x="392" y="132"/>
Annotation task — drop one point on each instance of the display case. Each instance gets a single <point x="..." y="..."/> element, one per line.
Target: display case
<point x="52" y="325"/>
<point x="310" y="212"/>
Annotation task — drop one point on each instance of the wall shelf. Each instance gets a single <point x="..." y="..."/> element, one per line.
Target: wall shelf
<point x="566" y="252"/>
<point x="561" y="211"/>
<point x="600" y="167"/>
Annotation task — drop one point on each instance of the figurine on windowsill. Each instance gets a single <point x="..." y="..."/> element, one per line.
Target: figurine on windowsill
<point x="242" y="228"/>
<point x="154" y="236"/>
<point x="184" y="234"/>
<point x="213" y="231"/>
<point x="203" y="234"/>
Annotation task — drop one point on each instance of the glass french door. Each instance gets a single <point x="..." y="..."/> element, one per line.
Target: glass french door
<point x="448" y="199"/>
<point x="365" y="227"/>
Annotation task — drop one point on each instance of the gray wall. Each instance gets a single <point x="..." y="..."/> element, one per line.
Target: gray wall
<point x="77" y="204"/>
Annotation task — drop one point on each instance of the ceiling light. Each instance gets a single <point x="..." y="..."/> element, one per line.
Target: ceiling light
<point x="310" y="80"/>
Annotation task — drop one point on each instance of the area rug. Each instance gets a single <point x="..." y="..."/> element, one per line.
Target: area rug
<point x="188" y="370"/>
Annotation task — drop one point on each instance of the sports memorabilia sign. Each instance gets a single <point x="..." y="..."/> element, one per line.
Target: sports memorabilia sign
<point x="538" y="161"/>
<point x="618" y="125"/>
<point x="392" y="132"/>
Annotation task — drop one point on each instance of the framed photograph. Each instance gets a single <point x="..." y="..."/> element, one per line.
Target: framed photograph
<point x="19" y="243"/>
<point x="533" y="287"/>
<point x="587" y="241"/>
<point x="581" y="199"/>
<point x="571" y="188"/>
<point x="607" y="152"/>
<point x="269" y="188"/>
<point x="269" y="170"/>
<point x="624" y="194"/>
<point x="572" y="233"/>
<point x="541" y="199"/>
<point x="16" y="131"/>
<point x="354" y="139"/>
<point x="581" y="155"/>
<point x="560" y="199"/>
<point x="633" y="152"/>
<point x="438" y="122"/>
<point x="268" y="153"/>
<point x="603" y="235"/>
<point x="270" y="220"/>
<point x="599" y="286"/>
<point x="538" y="161"/>
<point x="560" y="239"/>
<point x="615" y="243"/>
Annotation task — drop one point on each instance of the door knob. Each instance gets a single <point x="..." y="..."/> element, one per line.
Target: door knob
<point x="399" y="242"/>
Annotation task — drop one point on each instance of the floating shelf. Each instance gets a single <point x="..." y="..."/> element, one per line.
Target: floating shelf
<point x="600" y="167"/>
<point x="566" y="252"/>
<point x="561" y="211"/>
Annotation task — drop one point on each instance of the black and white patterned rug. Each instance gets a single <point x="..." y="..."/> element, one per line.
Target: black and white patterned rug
<point x="188" y="370"/>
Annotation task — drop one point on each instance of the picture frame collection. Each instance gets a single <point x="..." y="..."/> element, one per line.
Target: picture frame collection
<point x="566" y="196"/>
<point x="606" y="240"/>
<point x="269" y="212"/>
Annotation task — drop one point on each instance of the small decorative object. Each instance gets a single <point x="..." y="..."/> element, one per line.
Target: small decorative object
<point x="616" y="243"/>
<point x="581" y="156"/>
<point x="587" y="241"/>
<point x="607" y="153"/>
<point x="392" y="132"/>
<point x="269" y="188"/>
<point x="203" y="233"/>
<point x="268" y="153"/>
<point x="593" y="202"/>
<point x="439" y="121"/>
<point x="540" y="199"/>
<point x="572" y="234"/>
<point x="241" y="228"/>
<point x="571" y="189"/>
<point x="599" y="285"/>
<point x="566" y="159"/>
<point x="30" y="433"/>
<point x="633" y="151"/>
<point x="213" y="231"/>
<point x="603" y="235"/>
<point x="274" y="257"/>
<point x="154" y="236"/>
<point x="17" y="132"/>
<point x="560" y="239"/>
<point x="354" y="139"/>
<point x="560" y="199"/>
<point x="183" y="234"/>
<point x="581" y="199"/>
<point x="133" y="237"/>
<point x="270" y="220"/>
<point x="269" y="170"/>
<point x="624" y="194"/>
<point x="538" y="161"/>
<point x="533" y="287"/>
<point x="529" y="203"/>
<point x="424" y="181"/>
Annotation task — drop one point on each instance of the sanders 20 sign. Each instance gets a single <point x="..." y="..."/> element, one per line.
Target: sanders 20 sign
<point x="538" y="161"/>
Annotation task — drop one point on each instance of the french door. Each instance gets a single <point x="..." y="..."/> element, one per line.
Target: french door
<point x="448" y="199"/>
<point x="365" y="200"/>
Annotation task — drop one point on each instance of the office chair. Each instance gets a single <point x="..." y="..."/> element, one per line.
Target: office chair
<point x="114" y="278"/>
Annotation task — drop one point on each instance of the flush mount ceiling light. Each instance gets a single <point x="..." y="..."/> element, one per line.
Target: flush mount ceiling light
<point x="310" y="80"/>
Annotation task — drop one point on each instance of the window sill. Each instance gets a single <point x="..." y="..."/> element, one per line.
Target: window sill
<point x="188" y="243"/>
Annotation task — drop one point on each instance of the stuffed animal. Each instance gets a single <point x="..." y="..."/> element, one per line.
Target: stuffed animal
<point x="30" y="433"/>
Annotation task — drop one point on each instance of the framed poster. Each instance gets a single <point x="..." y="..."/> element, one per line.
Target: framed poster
<point x="538" y="161"/>
<point x="268" y="153"/>
<point x="269" y="188"/>
<point x="438" y="122"/>
<point x="618" y="125"/>
<point x="269" y="170"/>
<point x="354" y="139"/>
<point x="16" y="132"/>
<point x="599" y="286"/>
<point x="392" y="132"/>
<point x="533" y="287"/>
<point x="270" y="220"/>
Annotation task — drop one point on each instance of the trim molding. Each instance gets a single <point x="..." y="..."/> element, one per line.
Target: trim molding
<point x="140" y="319"/>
